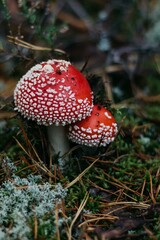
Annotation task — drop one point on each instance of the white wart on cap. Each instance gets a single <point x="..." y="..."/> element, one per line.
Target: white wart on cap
<point x="99" y="129"/>
<point x="53" y="92"/>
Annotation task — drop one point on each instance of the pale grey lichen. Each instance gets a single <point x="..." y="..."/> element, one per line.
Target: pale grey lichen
<point x="21" y="199"/>
<point x="6" y="162"/>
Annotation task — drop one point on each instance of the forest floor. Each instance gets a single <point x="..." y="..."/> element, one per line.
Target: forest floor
<point x="108" y="192"/>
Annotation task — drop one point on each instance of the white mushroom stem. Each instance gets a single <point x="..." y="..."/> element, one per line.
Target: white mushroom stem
<point x="58" y="139"/>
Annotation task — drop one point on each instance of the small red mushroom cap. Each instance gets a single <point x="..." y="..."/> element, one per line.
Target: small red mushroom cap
<point x="53" y="92"/>
<point x="99" y="129"/>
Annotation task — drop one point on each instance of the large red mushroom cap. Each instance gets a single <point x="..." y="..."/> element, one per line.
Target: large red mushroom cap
<point x="53" y="92"/>
<point x="99" y="129"/>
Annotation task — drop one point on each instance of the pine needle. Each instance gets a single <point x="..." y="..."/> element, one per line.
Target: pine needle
<point x="83" y="203"/>
<point x="24" y="44"/>
<point x="81" y="175"/>
<point x="39" y="162"/>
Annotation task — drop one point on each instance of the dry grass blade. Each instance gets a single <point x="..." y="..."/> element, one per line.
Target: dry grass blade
<point x="35" y="227"/>
<point x="132" y="204"/>
<point x="83" y="203"/>
<point x="151" y="189"/>
<point x="81" y="175"/>
<point x="57" y="218"/>
<point x="32" y="153"/>
<point x="143" y="187"/>
<point x="150" y="233"/>
<point x="119" y="184"/>
<point x="96" y="219"/>
<point x="39" y="164"/>
<point x="24" y="44"/>
<point x="157" y="191"/>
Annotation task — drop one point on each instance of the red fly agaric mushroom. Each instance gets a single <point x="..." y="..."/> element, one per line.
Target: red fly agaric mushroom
<point x="99" y="129"/>
<point x="54" y="93"/>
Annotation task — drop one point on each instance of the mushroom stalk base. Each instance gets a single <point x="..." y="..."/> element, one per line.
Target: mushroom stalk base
<point x="58" y="139"/>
